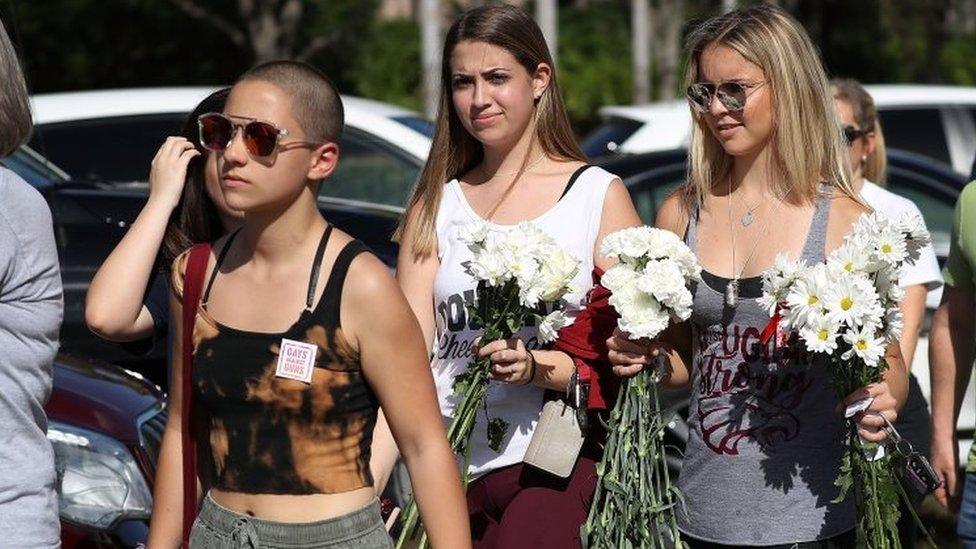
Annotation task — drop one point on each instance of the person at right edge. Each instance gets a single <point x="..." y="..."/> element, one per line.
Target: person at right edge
<point x="951" y="353"/>
<point x="866" y="152"/>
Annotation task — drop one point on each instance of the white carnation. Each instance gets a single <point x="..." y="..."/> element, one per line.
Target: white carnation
<point x="550" y="325"/>
<point x="473" y="234"/>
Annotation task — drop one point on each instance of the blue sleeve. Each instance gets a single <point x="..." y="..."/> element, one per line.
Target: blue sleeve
<point x="156" y="302"/>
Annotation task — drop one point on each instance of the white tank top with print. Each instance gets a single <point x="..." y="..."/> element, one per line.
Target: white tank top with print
<point x="574" y="221"/>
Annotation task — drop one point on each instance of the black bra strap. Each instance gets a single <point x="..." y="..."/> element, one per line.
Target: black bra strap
<point x="313" y="278"/>
<point x="572" y="180"/>
<point x="333" y="289"/>
<point x="220" y="261"/>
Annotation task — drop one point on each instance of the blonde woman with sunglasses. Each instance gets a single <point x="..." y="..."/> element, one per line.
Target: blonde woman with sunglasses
<point x="767" y="175"/>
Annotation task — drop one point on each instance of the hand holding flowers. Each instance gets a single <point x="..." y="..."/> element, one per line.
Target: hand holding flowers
<point x="519" y="271"/>
<point x="634" y="500"/>
<point x="848" y="310"/>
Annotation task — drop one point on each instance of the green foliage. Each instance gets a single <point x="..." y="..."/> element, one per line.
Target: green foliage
<point x="594" y="59"/>
<point x="873" y="481"/>
<point x="959" y="61"/>
<point x="388" y="65"/>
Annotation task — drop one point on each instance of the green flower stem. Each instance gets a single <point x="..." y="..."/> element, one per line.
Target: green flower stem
<point x="495" y="327"/>
<point x="873" y="481"/>
<point x="633" y="504"/>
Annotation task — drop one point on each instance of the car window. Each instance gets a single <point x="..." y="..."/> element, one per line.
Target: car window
<point x="115" y="149"/>
<point x="648" y="191"/>
<point x="371" y="170"/>
<point x="936" y="206"/>
<point x="609" y="136"/>
<point x="916" y="130"/>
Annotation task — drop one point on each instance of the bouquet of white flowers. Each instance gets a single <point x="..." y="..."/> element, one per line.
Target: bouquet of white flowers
<point x="634" y="501"/>
<point x="847" y="308"/>
<point x="518" y="271"/>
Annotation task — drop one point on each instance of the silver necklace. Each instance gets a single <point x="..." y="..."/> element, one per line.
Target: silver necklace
<point x="528" y="167"/>
<point x="732" y="288"/>
<point x="747" y="217"/>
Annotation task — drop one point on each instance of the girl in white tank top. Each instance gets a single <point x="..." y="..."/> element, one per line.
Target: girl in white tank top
<point x="504" y="152"/>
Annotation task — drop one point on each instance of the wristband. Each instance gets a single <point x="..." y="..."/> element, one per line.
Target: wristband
<point x="531" y="369"/>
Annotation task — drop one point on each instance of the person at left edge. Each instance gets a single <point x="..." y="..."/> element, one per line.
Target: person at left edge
<point x="30" y="316"/>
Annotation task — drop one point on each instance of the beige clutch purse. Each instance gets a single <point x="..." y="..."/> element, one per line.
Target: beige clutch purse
<point x="557" y="440"/>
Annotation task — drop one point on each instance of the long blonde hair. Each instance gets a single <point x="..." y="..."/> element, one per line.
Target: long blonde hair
<point x="806" y="140"/>
<point x="853" y="93"/>
<point x="454" y="151"/>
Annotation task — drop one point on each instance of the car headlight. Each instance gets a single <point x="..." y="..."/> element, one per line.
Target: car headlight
<point x="99" y="481"/>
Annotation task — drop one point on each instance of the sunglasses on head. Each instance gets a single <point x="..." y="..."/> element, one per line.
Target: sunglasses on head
<point x="852" y="134"/>
<point x="732" y="95"/>
<point x="260" y="138"/>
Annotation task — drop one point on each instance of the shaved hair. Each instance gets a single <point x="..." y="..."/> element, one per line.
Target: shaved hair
<point x="315" y="101"/>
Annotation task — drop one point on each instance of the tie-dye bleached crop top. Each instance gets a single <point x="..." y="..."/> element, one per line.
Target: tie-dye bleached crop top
<point x="265" y="434"/>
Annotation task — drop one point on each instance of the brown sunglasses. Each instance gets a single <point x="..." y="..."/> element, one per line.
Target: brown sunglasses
<point x="261" y="138"/>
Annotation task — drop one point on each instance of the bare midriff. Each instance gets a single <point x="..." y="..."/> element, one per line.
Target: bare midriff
<point x="291" y="508"/>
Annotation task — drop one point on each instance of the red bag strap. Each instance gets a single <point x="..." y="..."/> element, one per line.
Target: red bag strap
<point x="196" y="269"/>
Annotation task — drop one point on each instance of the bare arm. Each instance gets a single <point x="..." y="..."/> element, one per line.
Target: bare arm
<point x="396" y="365"/>
<point x="166" y="526"/>
<point x="951" y="353"/>
<point x="415" y="276"/>
<point x="913" y="311"/>
<point x="113" y="306"/>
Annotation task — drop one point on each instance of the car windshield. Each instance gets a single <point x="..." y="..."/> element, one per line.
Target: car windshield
<point x="609" y="136"/>
<point x="417" y="124"/>
<point x="33" y="169"/>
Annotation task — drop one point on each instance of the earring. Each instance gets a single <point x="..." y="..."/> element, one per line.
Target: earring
<point x="864" y="159"/>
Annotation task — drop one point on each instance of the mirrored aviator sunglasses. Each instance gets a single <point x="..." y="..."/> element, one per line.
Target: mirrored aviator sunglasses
<point x="217" y="131"/>
<point x="732" y="95"/>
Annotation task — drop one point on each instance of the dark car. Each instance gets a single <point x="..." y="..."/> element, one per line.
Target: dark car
<point x="105" y="425"/>
<point x="652" y="177"/>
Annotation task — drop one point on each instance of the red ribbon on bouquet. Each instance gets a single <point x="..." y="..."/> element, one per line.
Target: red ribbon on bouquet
<point x="772" y="326"/>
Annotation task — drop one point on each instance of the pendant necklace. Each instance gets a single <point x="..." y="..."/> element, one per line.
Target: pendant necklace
<point x="732" y="288"/>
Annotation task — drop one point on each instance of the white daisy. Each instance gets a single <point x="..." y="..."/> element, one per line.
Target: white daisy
<point x="819" y="334"/>
<point x="850" y="299"/>
<point x="865" y="344"/>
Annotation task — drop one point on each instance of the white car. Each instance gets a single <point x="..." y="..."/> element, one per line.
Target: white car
<point x="936" y="121"/>
<point x="112" y="135"/>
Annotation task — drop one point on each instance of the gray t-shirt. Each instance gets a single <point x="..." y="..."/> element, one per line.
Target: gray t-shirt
<point x="30" y="316"/>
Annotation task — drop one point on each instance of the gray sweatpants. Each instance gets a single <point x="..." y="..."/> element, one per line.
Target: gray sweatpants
<point x="217" y="527"/>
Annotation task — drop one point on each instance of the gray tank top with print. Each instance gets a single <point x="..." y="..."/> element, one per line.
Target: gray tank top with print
<point x="765" y="441"/>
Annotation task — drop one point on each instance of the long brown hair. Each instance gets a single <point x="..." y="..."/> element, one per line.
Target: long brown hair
<point x="806" y="140"/>
<point x="853" y="93"/>
<point x="195" y="218"/>
<point x="15" y="114"/>
<point x="454" y="151"/>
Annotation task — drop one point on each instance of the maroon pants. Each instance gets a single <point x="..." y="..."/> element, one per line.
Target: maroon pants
<point x="519" y="506"/>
